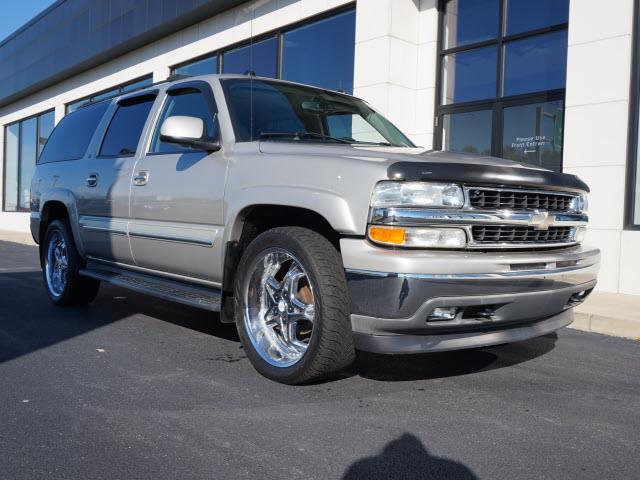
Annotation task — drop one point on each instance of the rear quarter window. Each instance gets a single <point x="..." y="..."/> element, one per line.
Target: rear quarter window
<point x="71" y="137"/>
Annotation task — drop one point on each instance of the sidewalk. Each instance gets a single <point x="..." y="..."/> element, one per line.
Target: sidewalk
<point x="611" y="314"/>
<point x="16" y="237"/>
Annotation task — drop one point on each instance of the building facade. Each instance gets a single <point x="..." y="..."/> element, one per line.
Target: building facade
<point x="552" y="83"/>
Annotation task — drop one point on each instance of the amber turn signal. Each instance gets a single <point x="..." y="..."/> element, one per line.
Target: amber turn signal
<point x="387" y="235"/>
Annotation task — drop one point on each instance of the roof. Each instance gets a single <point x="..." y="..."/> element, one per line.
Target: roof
<point x="72" y="36"/>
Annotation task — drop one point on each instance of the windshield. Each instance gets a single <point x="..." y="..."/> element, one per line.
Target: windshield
<point x="290" y="112"/>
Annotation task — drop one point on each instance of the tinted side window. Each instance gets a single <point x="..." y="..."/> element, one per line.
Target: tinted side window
<point x="71" y="137"/>
<point x="187" y="102"/>
<point x="126" y="126"/>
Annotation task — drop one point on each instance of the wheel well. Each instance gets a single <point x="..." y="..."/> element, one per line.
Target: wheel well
<point x="259" y="218"/>
<point x="51" y="211"/>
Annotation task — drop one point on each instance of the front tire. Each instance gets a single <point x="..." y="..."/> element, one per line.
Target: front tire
<point x="61" y="264"/>
<point x="292" y="308"/>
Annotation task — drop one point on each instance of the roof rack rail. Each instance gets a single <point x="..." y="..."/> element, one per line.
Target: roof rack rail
<point x="170" y="78"/>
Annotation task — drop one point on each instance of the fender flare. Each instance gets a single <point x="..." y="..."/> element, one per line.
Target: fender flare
<point x="333" y="208"/>
<point x="68" y="199"/>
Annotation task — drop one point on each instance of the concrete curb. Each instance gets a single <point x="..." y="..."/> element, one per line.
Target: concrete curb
<point x="16" y="237"/>
<point x="613" y="314"/>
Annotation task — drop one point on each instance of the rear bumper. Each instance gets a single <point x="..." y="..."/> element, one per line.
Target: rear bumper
<point x="499" y="296"/>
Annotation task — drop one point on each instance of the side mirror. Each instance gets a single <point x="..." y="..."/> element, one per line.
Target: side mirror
<point x="188" y="132"/>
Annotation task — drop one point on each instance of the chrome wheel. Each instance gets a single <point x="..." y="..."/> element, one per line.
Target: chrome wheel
<point x="279" y="307"/>
<point x="56" y="264"/>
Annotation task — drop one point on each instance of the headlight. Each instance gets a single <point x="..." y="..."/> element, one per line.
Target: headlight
<point x="580" y="204"/>
<point x="417" y="194"/>
<point x="427" y="237"/>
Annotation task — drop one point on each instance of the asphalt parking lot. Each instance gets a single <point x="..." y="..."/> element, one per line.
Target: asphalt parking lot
<point x="135" y="388"/>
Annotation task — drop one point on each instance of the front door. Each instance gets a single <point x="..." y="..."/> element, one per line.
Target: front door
<point x="103" y="206"/>
<point x="177" y="207"/>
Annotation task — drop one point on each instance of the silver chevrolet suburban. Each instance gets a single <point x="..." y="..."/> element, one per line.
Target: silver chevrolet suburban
<point x="309" y="220"/>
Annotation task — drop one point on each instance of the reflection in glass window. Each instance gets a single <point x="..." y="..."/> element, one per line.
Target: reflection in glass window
<point x="321" y="53"/>
<point x="46" y="122"/>
<point x="533" y="134"/>
<point x="535" y="64"/>
<point x="24" y="141"/>
<point x="470" y="21"/>
<point x="470" y="75"/>
<point x="259" y="58"/>
<point x="276" y="111"/>
<point x="28" y="154"/>
<point x="11" y="150"/>
<point x="468" y="132"/>
<point x="527" y="15"/>
<point x="204" y="66"/>
<point x="354" y="128"/>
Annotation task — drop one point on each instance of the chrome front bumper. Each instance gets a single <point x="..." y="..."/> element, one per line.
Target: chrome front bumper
<point x="500" y="296"/>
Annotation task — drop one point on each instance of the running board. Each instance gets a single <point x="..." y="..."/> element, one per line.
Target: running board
<point x="187" y="294"/>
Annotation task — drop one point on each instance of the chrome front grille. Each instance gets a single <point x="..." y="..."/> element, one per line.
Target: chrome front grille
<point x="494" y="199"/>
<point x="509" y="234"/>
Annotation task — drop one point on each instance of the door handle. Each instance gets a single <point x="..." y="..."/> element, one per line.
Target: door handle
<point x="92" y="180"/>
<point x="140" y="179"/>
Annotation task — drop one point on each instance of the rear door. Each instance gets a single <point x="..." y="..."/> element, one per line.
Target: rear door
<point x="104" y="208"/>
<point x="177" y="207"/>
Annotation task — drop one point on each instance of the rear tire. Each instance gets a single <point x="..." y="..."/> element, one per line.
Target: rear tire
<point x="61" y="266"/>
<point x="292" y="308"/>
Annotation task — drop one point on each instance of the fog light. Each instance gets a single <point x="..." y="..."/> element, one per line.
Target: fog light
<point x="427" y="237"/>
<point x="579" y="234"/>
<point x="442" y="314"/>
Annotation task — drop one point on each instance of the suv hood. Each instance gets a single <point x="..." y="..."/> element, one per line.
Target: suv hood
<point x="430" y="165"/>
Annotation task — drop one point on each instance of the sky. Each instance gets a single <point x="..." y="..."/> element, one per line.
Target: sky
<point x="16" y="13"/>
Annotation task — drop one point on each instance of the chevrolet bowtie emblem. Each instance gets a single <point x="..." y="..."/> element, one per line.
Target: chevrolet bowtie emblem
<point x="542" y="221"/>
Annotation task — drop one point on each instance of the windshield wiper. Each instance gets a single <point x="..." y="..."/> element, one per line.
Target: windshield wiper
<point x="303" y="136"/>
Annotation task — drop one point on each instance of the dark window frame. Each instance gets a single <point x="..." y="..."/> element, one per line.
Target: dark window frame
<point x="632" y="183"/>
<point x="19" y="165"/>
<point x="278" y="33"/>
<point x="499" y="102"/>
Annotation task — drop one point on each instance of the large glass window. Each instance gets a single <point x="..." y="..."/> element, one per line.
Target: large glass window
<point x="23" y="145"/>
<point x="320" y="53"/>
<point x="187" y="102"/>
<point x="527" y="15"/>
<point x="533" y="133"/>
<point x="11" y="169"/>
<point x="260" y="58"/>
<point x="470" y="75"/>
<point x="502" y="87"/>
<point x="467" y="132"/>
<point x="203" y="66"/>
<point x="632" y="204"/>
<point x="470" y="21"/>
<point x="123" y="134"/>
<point x="535" y="64"/>
<point x="113" y="92"/>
